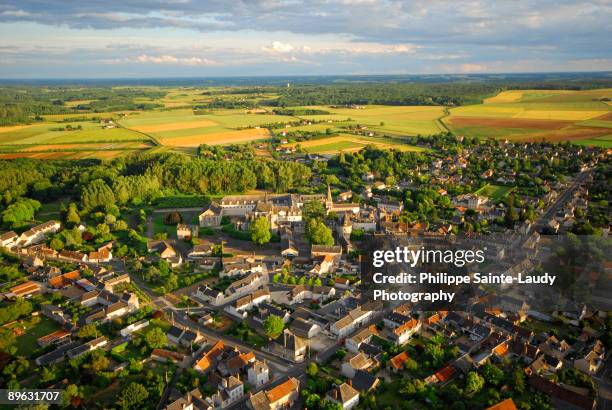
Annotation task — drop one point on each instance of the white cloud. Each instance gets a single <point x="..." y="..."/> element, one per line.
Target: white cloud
<point x="279" y="47"/>
<point x="169" y="59"/>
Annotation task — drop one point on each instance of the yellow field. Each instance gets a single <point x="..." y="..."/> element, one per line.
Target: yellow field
<point x="13" y="128"/>
<point x="217" y="138"/>
<point x="172" y="126"/>
<point x="505" y="97"/>
<point x="351" y="143"/>
<point x="568" y="115"/>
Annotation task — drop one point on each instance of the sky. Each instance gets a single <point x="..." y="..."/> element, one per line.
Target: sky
<point x="199" y="38"/>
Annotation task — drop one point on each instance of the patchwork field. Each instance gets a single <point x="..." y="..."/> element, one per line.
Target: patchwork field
<point x="405" y="120"/>
<point x="351" y="143"/>
<point x="181" y="124"/>
<point x="584" y="117"/>
<point x="182" y="128"/>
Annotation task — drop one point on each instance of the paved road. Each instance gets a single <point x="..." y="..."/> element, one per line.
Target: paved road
<point x="560" y="202"/>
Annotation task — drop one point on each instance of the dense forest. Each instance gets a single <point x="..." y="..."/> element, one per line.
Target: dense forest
<point x="23" y="104"/>
<point x="447" y="94"/>
<point x="134" y="180"/>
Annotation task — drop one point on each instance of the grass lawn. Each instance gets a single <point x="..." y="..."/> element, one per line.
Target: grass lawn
<point x="244" y="332"/>
<point x="26" y="343"/>
<point x="495" y="192"/>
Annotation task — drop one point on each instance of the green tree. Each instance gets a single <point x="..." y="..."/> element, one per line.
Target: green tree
<point x="72" y="215"/>
<point x="312" y="369"/>
<point x="318" y="233"/>
<point x="156" y="338"/>
<point x="518" y="377"/>
<point x="274" y="326"/>
<point x="97" y="194"/>
<point x="260" y="230"/>
<point x="473" y="383"/>
<point x="410" y="364"/>
<point x="56" y="243"/>
<point x="99" y="362"/>
<point x="133" y="396"/>
<point x="70" y="393"/>
<point x="313" y="210"/>
<point x="89" y="331"/>
<point x="492" y="374"/>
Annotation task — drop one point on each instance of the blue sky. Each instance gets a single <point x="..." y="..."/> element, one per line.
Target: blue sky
<point x="174" y="38"/>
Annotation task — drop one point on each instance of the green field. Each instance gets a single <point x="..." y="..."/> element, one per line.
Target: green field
<point x="27" y="343"/>
<point x="495" y="192"/>
<point x="406" y="120"/>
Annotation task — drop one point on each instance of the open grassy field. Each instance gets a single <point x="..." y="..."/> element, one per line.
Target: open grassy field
<point x="495" y="192"/>
<point x="535" y="115"/>
<point x="405" y="120"/>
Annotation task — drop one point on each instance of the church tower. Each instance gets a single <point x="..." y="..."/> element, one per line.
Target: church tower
<point x="329" y="202"/>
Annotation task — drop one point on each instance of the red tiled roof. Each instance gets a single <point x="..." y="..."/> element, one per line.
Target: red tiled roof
<point x="398" y="361"/>
<point x="507" y="404"/>
<point x="445" y="373"/>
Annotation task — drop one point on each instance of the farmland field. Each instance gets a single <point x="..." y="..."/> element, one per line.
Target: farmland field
<point x="179" y="123"/>
<point x="348" y="143"/>
<point x="535" y="115"/>
<point x="182" y="128"/>
<point x="406" y="120"/>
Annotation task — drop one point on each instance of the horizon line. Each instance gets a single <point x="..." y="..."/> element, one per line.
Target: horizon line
<point x="11" y="79"/>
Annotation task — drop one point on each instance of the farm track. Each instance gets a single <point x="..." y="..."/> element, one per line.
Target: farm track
<point x="152" y="138"/>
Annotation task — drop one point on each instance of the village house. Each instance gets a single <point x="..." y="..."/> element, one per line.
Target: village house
<point x="258" y="374"/>
<point x="212" y="216"/>
<point x="402" y="334"/>
<point x="349" y="323"/>
<point x="58" y="337"/>
<point x="200" y="250"/>
<point x="24" y="290"/>
<point x="74" y="256"/>
<point x="191" y="401"/>
<point x="8" y="239"/>
<point x="38" y="233"/>
<point x="230" y="390"/>
<point x="396" y="363"/>
<point x="344" y="395"/>
<point x="209" y="359"/>
<point x="280" y="397"/>
<point x="288" y="246"/>
<point x="166" y="252"/>
<point x="296" y="347"/>
<point x="186" y="232"/>
<point x="240" y="307"/>
<point x="305" y="328"/>
<point x="365" y="335"/>
<point x="325" y="250"/>
<point x="266" y="309"/>
<point x="358" y="361"/>
<point x="214" y="297"/>
<point x="103" y="254"/>
<point x="593" y="360"/>
<point x="107" y="305"/>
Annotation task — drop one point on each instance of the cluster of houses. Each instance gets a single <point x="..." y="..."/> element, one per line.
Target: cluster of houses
<point x="233" y="373"/>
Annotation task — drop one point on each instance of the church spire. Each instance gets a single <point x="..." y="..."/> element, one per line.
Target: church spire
<point x="329" y="202"/>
